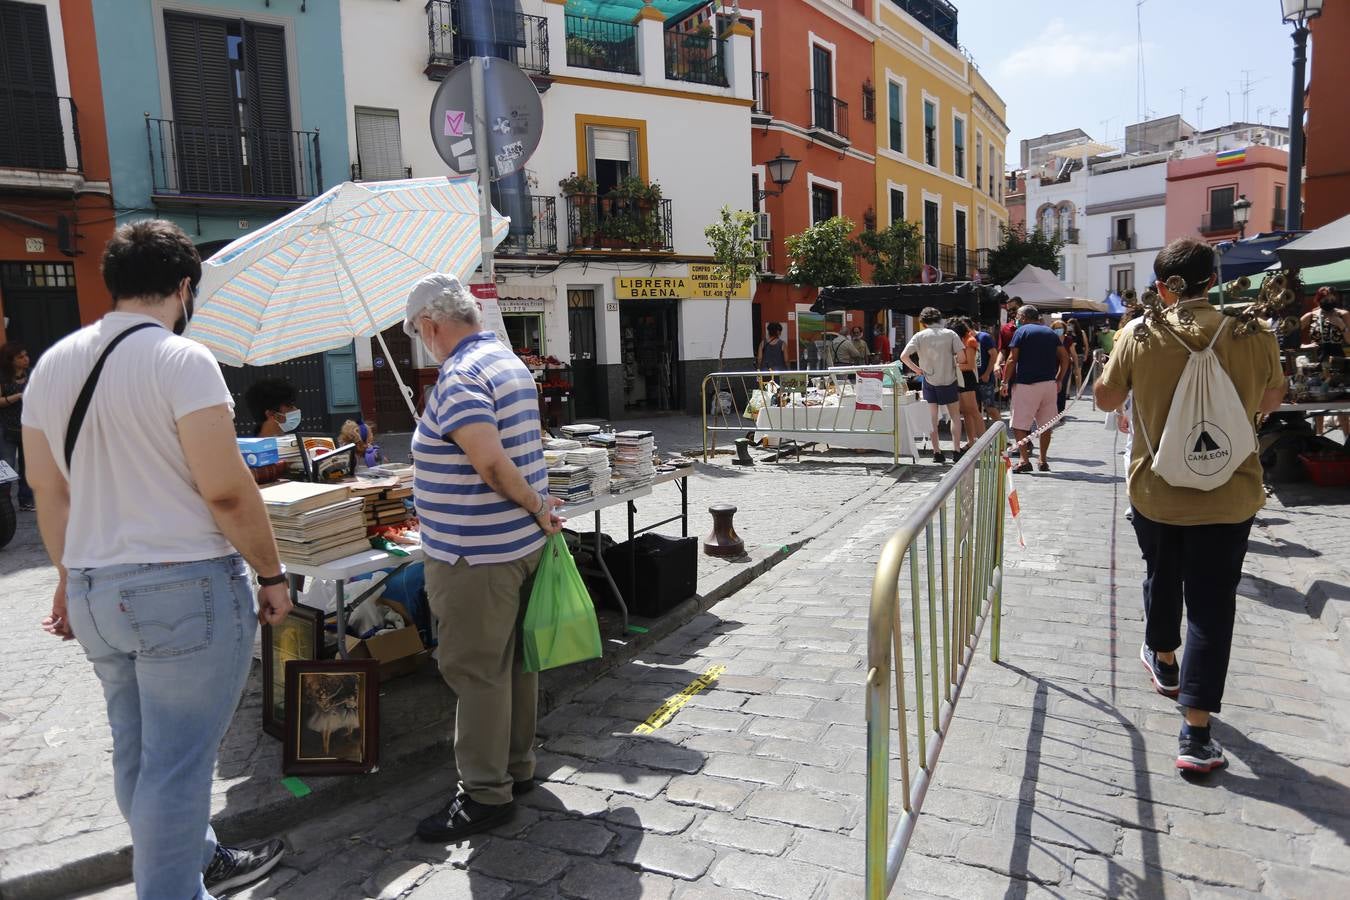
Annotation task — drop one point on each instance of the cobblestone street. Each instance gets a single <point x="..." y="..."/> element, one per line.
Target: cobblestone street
<point x="1057" y="778"/>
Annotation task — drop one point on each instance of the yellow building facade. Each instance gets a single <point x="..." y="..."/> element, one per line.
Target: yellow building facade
<point x="941" y="134"/>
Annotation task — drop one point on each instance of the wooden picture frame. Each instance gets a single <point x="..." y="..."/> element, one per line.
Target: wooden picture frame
<point x="300" y="637"/>
<point x="332" y="717"/>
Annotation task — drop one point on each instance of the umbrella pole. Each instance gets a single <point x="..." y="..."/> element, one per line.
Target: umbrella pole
<point x="379" y="335"/>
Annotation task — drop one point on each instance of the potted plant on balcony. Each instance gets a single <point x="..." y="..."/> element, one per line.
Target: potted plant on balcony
<point x="699" y="37"/>
<point x="581" y="51"/>
<point x="579" y="190"/>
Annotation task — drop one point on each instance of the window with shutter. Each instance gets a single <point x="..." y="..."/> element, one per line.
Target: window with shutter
<point x="31" y="135"/>
<point x="613" y="156"/>
<point x="379" y="146"/>
<point x="230" y="88"/>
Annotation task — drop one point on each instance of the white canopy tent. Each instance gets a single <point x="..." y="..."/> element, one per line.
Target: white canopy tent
<point x="1043" y="290"/>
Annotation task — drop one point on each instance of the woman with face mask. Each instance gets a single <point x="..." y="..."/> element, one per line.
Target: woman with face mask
<point x="272" y="402"/>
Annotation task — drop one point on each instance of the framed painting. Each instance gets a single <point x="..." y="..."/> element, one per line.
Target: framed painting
<point x="299" y="637"/>
<point x="332" y="717"/>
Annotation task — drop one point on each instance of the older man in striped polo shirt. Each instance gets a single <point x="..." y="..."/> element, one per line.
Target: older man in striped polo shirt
<point x="480" y="490"/>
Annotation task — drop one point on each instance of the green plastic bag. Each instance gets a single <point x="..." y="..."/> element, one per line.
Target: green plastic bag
<point x="560" y="626"/>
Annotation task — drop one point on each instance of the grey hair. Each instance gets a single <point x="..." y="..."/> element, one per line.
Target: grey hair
<point x="455" y="305"/>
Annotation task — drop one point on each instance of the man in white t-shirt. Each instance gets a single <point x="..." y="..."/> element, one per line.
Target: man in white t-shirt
<point x="148" y="512"/>
<point x="938" y="349"/>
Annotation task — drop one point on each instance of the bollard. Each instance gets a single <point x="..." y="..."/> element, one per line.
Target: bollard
<point x="723" y="540"/>
<point x="742" y="453"/>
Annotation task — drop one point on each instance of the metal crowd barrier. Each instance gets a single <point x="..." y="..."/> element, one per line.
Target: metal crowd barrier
<point x="743" y="387"/>
<point x="953" y="542"/>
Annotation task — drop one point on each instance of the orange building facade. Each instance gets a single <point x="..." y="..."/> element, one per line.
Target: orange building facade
<point x="56" y="206"/>
<point x="816" y="102"/>
<point x="1326" y="183"/>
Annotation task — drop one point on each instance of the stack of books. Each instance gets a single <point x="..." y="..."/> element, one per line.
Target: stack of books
<point x="571" y="484"/>
<point x="608" y="441"/>
<point x="579" y="432"/>
<point x="563" y="444"/>
<point x="315" y="523"/>
<point x="288" y="452"/>
<point x="633" y="467"/>
<point x="402" y="471"/>
<point x="386" y="500"/>
<point x="595" y="460"/>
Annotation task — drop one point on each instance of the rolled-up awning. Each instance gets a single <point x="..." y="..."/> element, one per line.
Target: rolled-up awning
<point x="951" y="298"/>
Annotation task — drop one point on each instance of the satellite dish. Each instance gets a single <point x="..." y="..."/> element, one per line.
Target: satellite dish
<point x="514" y="115"/>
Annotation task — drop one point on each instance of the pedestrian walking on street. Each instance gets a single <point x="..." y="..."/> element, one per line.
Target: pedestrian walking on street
<point x="1193" y="541"/>
<point x="1037" y="361"/>
<point x="939" y="349"/>
<point x="14" y="364"/>
<point x="481" y="491"/>
<point x="985" y="389"/>
<point x="972" y="423"/>
<point x="147" y="526"/>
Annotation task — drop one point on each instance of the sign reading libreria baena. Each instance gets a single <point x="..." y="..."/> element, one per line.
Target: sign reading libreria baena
<point x="700" y="284"/>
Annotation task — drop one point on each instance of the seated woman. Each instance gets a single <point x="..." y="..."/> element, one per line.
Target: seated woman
<point x="272" y="403"/>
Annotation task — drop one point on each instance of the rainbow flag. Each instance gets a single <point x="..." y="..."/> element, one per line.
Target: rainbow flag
<point x="1231" y="157"/>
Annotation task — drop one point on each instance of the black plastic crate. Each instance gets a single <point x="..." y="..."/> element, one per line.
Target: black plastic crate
<point x="667" y="573"/>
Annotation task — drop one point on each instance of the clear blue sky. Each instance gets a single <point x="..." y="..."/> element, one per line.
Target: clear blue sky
<point x="1063" y="64"/>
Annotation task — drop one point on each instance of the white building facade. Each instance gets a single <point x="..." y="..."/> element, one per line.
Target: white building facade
<point x="605" y="278"/>
<point x="1126" y="222"/>
<point x="1056" y="204"/>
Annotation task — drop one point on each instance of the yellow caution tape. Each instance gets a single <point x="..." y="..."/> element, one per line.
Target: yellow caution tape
<point x="667" y="710"/>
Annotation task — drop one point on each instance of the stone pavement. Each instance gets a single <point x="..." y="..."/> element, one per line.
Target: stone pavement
<point x="57" y="814"/>
<point x="1057" y="778"/>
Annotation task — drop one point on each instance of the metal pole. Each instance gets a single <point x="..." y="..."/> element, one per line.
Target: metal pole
<point x="1293" y="215"/>
<point x="482" y="154"/>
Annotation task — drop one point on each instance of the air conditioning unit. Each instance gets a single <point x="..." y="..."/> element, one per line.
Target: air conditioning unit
<point x="763" y="229"/>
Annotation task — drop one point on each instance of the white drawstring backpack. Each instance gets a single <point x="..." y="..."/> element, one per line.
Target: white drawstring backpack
<point x="1208" y="433"/>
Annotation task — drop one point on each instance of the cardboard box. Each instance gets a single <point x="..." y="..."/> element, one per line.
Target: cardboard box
<point x="400" y="652"/>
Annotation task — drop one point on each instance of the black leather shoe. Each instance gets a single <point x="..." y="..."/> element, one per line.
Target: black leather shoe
<point x="521" y="788"/>
<point x="462" y="817"/>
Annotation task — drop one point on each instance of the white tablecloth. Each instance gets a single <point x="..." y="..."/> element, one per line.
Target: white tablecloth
<point x="846" y="426"/>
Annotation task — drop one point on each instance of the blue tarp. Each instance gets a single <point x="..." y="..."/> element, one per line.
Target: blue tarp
<point x="1252" y="255"/>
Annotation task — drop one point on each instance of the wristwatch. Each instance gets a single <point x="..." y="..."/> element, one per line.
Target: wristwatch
<point x="269" y="580"/>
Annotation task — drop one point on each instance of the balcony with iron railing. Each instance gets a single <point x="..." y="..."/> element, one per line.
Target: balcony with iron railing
<point x="829" y="118"/>
<point x="759" y="112"/>
<point x="534" y="224"/>
<point x="1067" y="235"/>
<point x="362" y="172"/>
<point x="697" y="58"/>
<point x="956" y="263"/>
<point x="459" y="29"/>
<point x="1121" y="244"/>
<point x="1219" y="221"/>
<point x="601" y="44"/>
<point x="619" y="223"/>
<point x="227" y="163"/>
<point x="41" y="135"/>
<point x="937" y="16"/>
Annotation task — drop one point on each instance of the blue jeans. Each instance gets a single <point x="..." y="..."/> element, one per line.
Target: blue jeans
<point x="172" y="644"/>
<point x="12" y="453"/>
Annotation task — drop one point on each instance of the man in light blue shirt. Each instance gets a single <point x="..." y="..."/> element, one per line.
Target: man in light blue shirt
<point x="480" y="487"/>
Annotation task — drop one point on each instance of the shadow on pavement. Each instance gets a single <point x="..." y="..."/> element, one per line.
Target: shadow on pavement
<point x="1120" y="881"/>
<point x="1284" y="548"/>
<point x="1323" y="800"/>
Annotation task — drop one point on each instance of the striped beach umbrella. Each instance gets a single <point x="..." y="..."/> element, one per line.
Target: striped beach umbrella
<point x="336" y="269"/>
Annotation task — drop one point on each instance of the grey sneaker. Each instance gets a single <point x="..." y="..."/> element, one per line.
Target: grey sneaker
<point x="234" y="867"/>
<point x="1166" y="677"/>
<point x="1196" y="755"/>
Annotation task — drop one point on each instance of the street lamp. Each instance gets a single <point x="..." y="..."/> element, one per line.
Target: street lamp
<point x="1297" y="13"/>
<point x="1242" y="211"/>
<point x="781" y="169"/>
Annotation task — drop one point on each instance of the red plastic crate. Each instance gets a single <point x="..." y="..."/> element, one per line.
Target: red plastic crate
<point x="1327" y="469"/>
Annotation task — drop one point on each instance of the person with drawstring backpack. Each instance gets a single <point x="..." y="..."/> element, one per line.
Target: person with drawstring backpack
<point x="1199" y="381"/>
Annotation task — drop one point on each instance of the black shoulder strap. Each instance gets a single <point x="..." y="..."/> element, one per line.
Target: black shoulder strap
<point x="87" y="392"/>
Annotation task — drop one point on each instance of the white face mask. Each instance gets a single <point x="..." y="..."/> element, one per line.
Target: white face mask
<point x="292" y="421"/>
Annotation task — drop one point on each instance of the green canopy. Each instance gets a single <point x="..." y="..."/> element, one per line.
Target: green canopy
<point x="626" y="10"/>
<point x="1335" y="275"/>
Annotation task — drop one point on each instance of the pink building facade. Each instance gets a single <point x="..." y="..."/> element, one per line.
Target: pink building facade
<point x="1201" y="193"/>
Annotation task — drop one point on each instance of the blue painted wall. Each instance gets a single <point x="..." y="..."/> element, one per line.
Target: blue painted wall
<point x="131" y="88"/>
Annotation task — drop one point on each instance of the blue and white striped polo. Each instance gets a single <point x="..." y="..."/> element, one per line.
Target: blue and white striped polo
<point x="482" y="381"/>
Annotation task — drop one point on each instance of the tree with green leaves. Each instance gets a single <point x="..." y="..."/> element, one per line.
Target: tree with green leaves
<point x="735" y="256"/>
<point x="1019" y="248"/>
<point x="892" y="252"/>
<point x="824" y="255"/>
